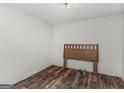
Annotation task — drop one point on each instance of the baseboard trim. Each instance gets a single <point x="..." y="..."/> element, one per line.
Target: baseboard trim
<point x="122" y="77"/>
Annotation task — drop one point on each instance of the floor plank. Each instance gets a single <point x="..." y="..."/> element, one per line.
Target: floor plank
<point x="56" y="77"/>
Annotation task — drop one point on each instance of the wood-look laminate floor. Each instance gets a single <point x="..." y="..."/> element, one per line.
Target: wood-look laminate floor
<point x="55" y="77"/>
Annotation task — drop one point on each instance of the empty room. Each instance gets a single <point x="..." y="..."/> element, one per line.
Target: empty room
<point x="61" y="46"/>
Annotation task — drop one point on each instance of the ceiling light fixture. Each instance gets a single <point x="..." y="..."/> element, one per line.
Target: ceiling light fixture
<point x="67" y="5"/>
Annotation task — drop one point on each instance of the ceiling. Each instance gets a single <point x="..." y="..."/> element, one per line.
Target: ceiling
<point x="56" y="13"/>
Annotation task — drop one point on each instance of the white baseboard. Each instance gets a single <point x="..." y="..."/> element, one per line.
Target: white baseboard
<point x="122" y="77"/>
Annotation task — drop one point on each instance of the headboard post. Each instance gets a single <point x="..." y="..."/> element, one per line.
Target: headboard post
<point x="95" y="67"/>
<point x="65" y="63"/>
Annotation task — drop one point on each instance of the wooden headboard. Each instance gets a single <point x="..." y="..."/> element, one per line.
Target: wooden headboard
<point x="83" y="52"/>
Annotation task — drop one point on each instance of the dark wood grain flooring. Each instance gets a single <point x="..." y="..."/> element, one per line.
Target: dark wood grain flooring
<point x="55" y="77"/>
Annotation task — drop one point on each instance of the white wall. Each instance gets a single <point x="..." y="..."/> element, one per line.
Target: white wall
<point x="24" y="45"/>
<point x="105" y="31"/>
